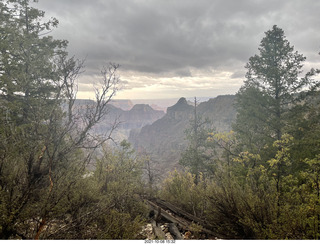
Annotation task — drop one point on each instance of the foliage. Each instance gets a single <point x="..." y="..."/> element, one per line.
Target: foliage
<point x="120" y="226"/>
<point x="224" y="144"/>
<point x="181" y="189"/>
<point x="119" y="175"/>
<point x="104" y="204"/>
<point x="196" y="230"/>
<point x="258" y="203"/>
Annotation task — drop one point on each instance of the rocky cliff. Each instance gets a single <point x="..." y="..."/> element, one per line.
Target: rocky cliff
<point x="165" y="138"/>
<point x="220" y="111"/>
<point x="139" y="116"/>
<point x="181" y="110"/>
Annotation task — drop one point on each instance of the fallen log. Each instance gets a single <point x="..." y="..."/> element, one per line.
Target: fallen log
<point x="170" y="218"/>
<point x="175" y="232"/>
<point x="159" y="234"/>
<point x="177" y="211"/>
<point x="181" y="217"/>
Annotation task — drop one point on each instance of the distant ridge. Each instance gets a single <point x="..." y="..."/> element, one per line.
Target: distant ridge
<point x="124" y="104"/>
<point x="136" y="117"/>
<point x="163" y="104"/>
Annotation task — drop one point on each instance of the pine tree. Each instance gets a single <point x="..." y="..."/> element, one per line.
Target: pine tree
<point x="194" y="157"/>
<point x="270" y="93"/>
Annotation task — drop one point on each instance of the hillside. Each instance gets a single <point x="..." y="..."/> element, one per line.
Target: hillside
<point x="165" y="139"/>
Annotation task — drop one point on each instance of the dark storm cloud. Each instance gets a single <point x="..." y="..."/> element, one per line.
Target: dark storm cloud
<point x="172" y="37"/>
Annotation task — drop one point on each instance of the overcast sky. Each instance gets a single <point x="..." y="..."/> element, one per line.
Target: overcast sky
<point x="170" y="49"/>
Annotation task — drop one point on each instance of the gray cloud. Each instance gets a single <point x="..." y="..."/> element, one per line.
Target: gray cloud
<point x="163" y="37"/>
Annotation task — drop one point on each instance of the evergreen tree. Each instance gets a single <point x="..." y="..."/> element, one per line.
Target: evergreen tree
<point x="194" y="157"/>
<point x="270" y="94"/>
<point x="45" y="144"/>
<point x="29" y="61"/>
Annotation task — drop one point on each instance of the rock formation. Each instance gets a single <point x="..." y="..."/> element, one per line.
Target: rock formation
<point x="165" y="139"/>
